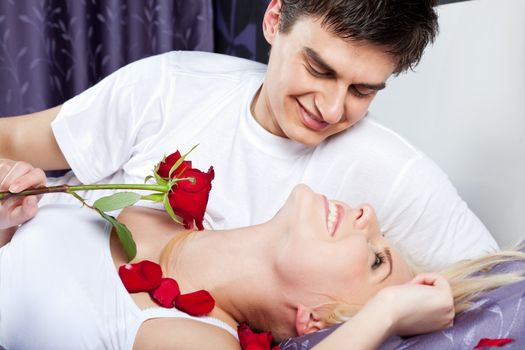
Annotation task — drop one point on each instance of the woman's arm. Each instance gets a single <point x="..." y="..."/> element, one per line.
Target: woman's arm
<point x="423" y="305"/>
<point x="16" y="177"/>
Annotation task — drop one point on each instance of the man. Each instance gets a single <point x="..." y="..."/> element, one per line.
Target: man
<point x="265" y="129"/>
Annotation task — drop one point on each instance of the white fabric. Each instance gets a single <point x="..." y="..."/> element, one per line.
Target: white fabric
<point x="59" y="288"/>
<point x="117" y="130"/>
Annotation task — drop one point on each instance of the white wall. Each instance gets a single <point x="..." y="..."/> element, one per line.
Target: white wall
<point x="465" y="107"/>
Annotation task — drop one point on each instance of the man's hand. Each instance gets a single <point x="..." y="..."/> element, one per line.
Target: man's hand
<point x="16" y="177"/>
<point x="422" y="305"/>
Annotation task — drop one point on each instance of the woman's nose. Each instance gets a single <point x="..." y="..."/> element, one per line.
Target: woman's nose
<point x="363" y="217"/>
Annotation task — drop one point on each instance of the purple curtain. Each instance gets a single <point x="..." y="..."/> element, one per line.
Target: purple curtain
<point x="238" y="28"/>
<point x="51" y="50"/>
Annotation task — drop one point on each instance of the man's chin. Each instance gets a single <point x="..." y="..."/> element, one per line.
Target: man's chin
<point x="309" y="139"/>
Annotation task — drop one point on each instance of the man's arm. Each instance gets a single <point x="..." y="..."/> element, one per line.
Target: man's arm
<point x="29" y="138"/>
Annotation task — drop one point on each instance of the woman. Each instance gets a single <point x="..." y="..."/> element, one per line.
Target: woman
<point x="59" y="288"/>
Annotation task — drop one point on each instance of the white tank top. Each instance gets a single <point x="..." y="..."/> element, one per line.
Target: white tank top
<point x="59" y="288"/>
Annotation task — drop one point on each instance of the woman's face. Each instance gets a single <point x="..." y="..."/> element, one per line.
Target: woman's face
<point x="333" y="252"/>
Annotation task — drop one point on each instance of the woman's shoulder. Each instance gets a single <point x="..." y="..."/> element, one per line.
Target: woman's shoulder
<point x="183" y="333"/>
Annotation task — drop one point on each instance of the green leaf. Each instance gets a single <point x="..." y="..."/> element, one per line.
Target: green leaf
<point x="147" y="178"/>
<point x="170" y="211"/>
<point x="124" y="235"/>
<point x="155" y="197"/>
<point x="117" y="201"/>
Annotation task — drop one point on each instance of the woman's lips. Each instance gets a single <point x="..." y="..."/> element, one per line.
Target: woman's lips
<point x="339" y="213"/>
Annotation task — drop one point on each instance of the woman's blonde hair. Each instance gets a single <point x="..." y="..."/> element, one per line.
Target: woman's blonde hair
<point x="467" y="279"/>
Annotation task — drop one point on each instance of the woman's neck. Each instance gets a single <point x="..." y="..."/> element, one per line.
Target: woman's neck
<point x="228" y="265"/>
<point x="235" y="266"/>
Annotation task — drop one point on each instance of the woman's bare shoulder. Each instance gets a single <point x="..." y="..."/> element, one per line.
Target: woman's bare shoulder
<point x="180" y="333"/>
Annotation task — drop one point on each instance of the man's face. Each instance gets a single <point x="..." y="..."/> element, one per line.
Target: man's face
<point x="317" y="84"/>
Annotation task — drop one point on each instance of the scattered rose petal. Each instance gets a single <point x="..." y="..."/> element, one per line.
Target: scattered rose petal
<point x="143" y="276"/>
<point x="198" y="303"/>
<point x="249" y="340"/>
<point x="494" y="342"/>
<point x="166" y="292"/>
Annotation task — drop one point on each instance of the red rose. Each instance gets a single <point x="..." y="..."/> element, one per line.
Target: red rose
<point x="140" y="277"/>
<point x="198" y="303"/>
<point x="249" y="340"/>
<point x="166" y="292"/>
<point x="169" y="161"/>
<point x="189" y="200"/>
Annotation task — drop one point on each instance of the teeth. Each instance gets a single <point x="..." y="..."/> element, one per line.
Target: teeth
<point x="332" y="216"/>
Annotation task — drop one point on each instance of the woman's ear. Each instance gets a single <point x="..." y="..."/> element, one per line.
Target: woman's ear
<point x="271" y="20"/>
<point x="306" y="320"/>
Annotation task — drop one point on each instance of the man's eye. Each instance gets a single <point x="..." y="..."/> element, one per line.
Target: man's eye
<point x="379" y="260"/>
<point x="361" y="92"/>
<point x="317" y="73"/>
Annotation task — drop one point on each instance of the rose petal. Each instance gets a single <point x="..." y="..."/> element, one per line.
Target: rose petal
<point x="187" y="219"/>
<point x="249" y="340"/>
<point x="189" y="200"/>
<point x="140" y="277"/>
<point x="166" y="292"/>
<point x="198" y="303"/>
<point x="169" y="161"/>
<point x="202" y="180"/>
<point x="497" y="342"/>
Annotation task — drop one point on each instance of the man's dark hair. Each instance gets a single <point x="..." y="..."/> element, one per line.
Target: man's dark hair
<point x="403" y="27"/>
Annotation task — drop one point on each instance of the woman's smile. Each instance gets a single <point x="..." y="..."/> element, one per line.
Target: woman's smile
<point x="334" y="215"/>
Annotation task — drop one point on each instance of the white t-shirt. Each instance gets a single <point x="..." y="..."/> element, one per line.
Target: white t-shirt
<point x="118" y="129"/>
<point x="59" y="288"/>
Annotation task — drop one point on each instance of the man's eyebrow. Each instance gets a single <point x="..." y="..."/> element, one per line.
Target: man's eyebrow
<point x="390" y="263"/>
<point x="375" y="87"/>
<point x="318" y="60"/>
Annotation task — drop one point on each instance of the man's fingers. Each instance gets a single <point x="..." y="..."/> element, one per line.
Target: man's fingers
<point x="14" y="170"/>
<point x="11" y="203"/>
<point x="20" y="176"/>
<point x="34" y="178"/>
<point x="5" y="168"/>
<point x="24" y="212"/>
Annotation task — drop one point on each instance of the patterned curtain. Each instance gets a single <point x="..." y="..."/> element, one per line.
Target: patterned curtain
<point x="51" y="50"/>
<point x="238" y="28"/>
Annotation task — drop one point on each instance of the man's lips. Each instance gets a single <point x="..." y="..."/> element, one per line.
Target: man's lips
<point x="310" y="120"/>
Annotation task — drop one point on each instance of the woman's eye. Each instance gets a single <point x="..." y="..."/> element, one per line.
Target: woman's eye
<point x="379" y="260"/>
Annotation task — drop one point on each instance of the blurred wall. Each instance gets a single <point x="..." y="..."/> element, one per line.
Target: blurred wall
<point x="465" y="107"/>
